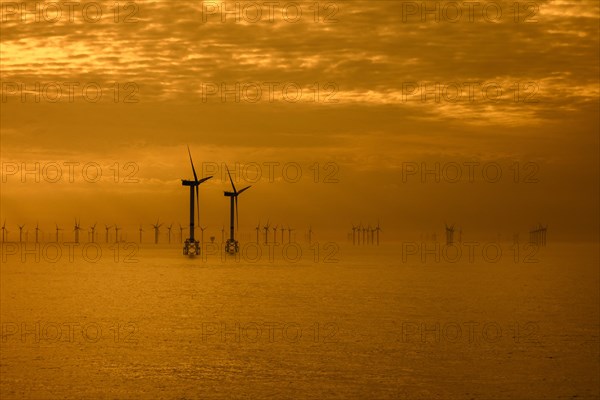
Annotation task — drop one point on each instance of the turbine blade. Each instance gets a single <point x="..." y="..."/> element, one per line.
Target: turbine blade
<point x="230" y="180"/>
<point x="204" y="179"/>
<point x="246" y="188"/>
<point x="192" y="162"/>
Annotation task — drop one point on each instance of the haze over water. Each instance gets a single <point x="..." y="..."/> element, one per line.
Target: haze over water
<point x="366" y="326"/>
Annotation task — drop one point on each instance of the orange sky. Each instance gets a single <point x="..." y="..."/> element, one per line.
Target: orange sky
<point x="368" y="125"/>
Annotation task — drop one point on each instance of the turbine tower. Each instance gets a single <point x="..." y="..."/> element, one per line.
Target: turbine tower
<point x="310" y="234"/>
<point x="4" y="232"/>
<point x="37" y="231"/>
<point x="117" y="229"/>
<point x="377" y="230"/>
<point x="257" y="232"/>
<point x="232" y="245"/>
<point x="141" y="230"/>
<point x="191" y="246"/>
<point x="275" y="235"/>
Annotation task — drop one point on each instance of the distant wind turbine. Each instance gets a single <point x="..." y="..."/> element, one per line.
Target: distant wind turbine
<point x="21" y="232"/>
<point x="76" y="230"/>
<point x="107" y="227"/>
<point x="266" y="228"/>
<point x="156" y="229"/>
<point x="93" y="232"/>
<point x="57" y="229"/>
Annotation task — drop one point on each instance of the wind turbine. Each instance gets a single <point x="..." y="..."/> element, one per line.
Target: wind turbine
<point x="282" y="231"/>
<point x="57" y="229"/>
<point x="266" y="228"/>
<point x="309" y="234"/>
<point x="156" y="228"/>
<point x="232" y="246"/>
<point x="4" y="232"/>
<point x="76" y="230"/>
<point x="275" y="235"/>
<point x="377" y="230"/>
<point x="192" y="244"/>
<point x="169" y="230"/>
<point x="202" y="228"/>
<point x="223" y="234"/>
<point x="180" y="233"/>
<point x="93" y="231"/>
<point x="257" y="232"/>
<point x="21" y="232"/>
<point x="107" y="228"/>
<point x="449" y="234"/>
<point x="354" y="228"/>
<point x="117" y="229"/>
<point x="141" y="229"/>
<point x="290" y="229"/>
<point x="37" y="230"/>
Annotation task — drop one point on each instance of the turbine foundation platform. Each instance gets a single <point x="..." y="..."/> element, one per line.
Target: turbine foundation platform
<point x="191" y="248"/>
<point x="232" y="246"/>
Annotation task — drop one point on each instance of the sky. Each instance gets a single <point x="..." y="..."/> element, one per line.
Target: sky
<point x="413" y="114"/>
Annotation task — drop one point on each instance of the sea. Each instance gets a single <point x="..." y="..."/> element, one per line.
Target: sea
<point x="402" y="320"/>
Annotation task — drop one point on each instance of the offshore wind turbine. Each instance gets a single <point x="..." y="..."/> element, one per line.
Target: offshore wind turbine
<point x="76" y="230"/>
<point x="191" y="246"/>
<point x="449" y="234"/>
<point x="156" y="229"/>
<point x="21" y="232"/>
<point x="309" y="234"/>
<point x="141" y="229"/>
<point x="223" y="234"/>
<point x="275" y="235"/>
<point x="93" y="231"/>
<point x="377" y="230"/>
<point x="117" y="229"/>
<point x="266" y="228"/>
<point x="290" y="229"/>
<point x="202" y="228"/>
<point x="107" y="227"/>
<point x="169" y="230"/>
<point x="4" y="232"/>
<point x="180" y="233"/>
<point x="257" y="232"/>
<point x="37" y="230"/>
<point x="57" y="229"/>
<point x="232" y="245"/>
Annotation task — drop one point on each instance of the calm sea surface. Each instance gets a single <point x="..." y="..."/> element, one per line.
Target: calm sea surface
<point x="347" y="322"/>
